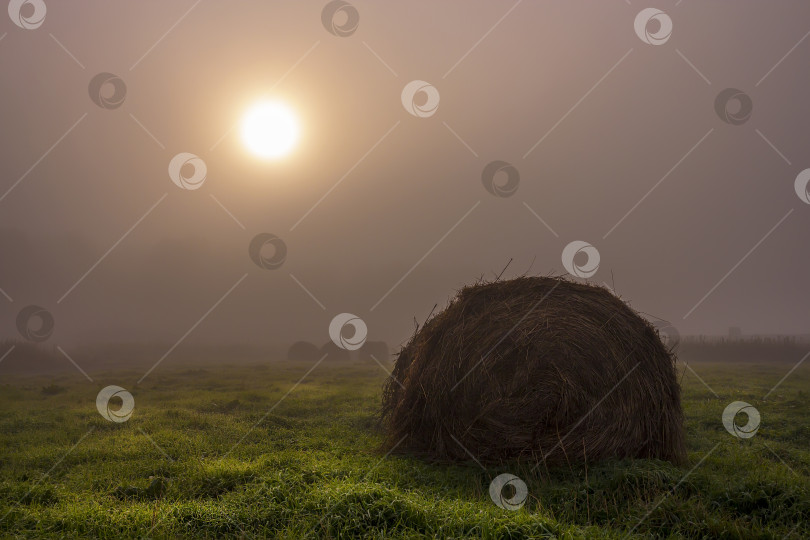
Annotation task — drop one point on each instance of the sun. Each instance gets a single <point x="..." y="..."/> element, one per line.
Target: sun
<point x="270" y="129"/>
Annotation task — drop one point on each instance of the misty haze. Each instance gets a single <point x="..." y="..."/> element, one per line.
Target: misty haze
<point x="428" y="269"/>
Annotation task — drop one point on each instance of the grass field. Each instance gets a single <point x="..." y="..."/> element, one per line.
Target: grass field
<point x="307" y="466"/>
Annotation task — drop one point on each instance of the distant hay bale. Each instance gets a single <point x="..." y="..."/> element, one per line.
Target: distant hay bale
<point x="303" y="351"/>
<point x="334" y="353"/>
<point x="535" y="367"/>
<point x="374" y="350"/>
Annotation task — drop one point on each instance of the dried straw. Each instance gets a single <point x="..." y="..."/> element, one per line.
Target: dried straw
<point x="539" y="367"/>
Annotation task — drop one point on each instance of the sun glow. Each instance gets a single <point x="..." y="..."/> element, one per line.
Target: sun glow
<point x="270" y="129"/>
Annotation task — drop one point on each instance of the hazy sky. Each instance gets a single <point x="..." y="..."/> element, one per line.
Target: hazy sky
<point x="397" y="215"/>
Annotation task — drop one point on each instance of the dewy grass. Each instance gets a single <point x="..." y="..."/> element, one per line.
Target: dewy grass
<point x="311" y="468"/>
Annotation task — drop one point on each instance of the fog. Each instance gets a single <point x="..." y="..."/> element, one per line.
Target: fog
<point x="384" y="214"/>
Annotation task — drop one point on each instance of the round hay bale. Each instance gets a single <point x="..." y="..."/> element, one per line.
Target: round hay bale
<point x="303" y="351"/>
<point x="535" y="367"/>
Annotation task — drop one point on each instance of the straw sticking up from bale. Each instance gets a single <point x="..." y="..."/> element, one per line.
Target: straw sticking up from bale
<point x="537" y="367"/>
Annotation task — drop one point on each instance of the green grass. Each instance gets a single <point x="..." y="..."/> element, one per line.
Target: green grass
<point x="309" y="465"/>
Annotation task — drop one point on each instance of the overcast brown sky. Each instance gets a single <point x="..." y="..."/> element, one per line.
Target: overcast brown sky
<point x="617" y="143"/>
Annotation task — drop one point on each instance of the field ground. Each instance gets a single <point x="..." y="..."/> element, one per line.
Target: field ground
<point x="307" y="466"/>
